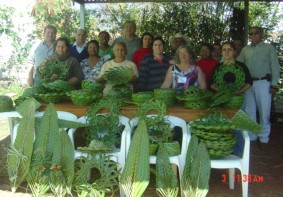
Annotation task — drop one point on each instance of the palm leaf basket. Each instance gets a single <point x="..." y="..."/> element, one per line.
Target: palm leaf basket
<point x="119" y="75"/>
<point x="167" y="95"/>
<point x="141" y="97"/>
<point x="95" y="87"/>
<point x="50" y="97"/>
<point x="83" y="97"/>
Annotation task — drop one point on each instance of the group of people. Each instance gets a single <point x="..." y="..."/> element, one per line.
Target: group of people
<point x="155" y="68"/>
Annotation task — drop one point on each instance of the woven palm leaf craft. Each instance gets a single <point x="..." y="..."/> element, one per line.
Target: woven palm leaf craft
<point x="159" y="129"/>
<point x="104" y="128"/>
<point x="167" y="95"/>
<point x="141" y="97"/>
<point x="53" y="67"/>
<point x="229" y="71"/>
<point x="235" y="102"/>
<point x="122" y="92"/>
<point x="221" y="97"/>
<point x="93" y="86"/>
<point x="243" y="121"/>
<point x="194" y="97"/>
<point x="59" y="86"/>
<point x="50" y="97"/>
<point x="83" y="97"/>
<point x="216" y="133"/>
<point x="154" y="106"/>
<point x="166" y="180"/>
<point x="119" y="75"/>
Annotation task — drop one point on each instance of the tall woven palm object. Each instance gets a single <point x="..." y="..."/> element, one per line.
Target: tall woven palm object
<point x="119" y="75"/>
<point x="217" y="134"/>
<point x="167" y="95"/>
<point x="243" y="121"/>
<point x="166" y="180"/>
<point x="136" y="173"/>
<point x="195" y="178"/>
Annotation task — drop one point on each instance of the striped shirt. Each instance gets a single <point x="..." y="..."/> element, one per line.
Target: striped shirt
<point x="151" y="73"/>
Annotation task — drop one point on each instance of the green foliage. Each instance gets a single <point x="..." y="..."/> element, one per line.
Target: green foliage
<point x="58" y="13"/>
<point x="20" y="46"/>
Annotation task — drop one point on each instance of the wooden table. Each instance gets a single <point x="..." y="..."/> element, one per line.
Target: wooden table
<point x="130" y="111"/>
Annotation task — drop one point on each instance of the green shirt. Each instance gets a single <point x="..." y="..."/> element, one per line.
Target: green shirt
<point x="108" y="54"/>
<point x="261" y="59"/>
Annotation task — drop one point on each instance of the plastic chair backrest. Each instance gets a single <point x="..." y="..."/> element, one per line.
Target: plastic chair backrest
<point x="61" y="115"/>
<point x="180" y="159"/>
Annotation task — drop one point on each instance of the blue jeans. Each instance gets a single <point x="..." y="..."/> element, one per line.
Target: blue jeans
<point x="240" y="143"/>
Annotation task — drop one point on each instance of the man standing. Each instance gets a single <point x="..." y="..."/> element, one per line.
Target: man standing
<point x="129" y="38"/>
<point x="79" y="50"/>
<point x="262" y="60"/>
<point x="105" y="50"/>
<point x="40" y="52"/>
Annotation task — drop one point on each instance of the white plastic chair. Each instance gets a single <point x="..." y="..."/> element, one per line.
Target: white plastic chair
<point x="12" y="115"/>
<point x="61" y="115"/>
<point x="118" y="156"/>
<point x="178" y="160"/>
<point x="232" y="161"/>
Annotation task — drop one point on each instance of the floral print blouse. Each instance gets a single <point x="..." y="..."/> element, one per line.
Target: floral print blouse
<point x="91" y="74"/>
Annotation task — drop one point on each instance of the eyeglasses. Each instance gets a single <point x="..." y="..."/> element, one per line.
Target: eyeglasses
<point x="253" y="33"/>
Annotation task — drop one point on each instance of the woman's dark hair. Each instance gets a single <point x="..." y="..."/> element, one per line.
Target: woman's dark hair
<point x="206" y="45"/>
<point x="64" y="39"/>
<point x="232" y="45"/>
<point x="95" y="42"/>
<point x="146" y="34"/>
<point x="159" y="38"/>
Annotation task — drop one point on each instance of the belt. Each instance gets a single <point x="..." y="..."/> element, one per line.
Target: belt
<point x="260" y="78"/>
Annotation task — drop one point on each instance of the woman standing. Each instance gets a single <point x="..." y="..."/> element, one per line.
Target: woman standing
<point x="92" y="65"/>
<point x="146" y="41"/>
<point x="228" y="53"/>
<point x="153" y="68"/>
<point x="184" y="73"/>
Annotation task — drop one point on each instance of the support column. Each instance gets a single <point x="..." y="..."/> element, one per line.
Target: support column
<point x="82" y="16"/>
<point x="246" y="21"/>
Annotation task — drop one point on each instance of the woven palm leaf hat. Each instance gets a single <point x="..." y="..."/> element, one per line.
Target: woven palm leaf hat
<point x="179" y="35"/>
